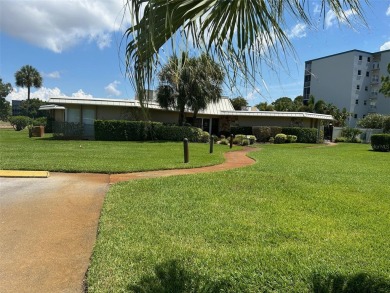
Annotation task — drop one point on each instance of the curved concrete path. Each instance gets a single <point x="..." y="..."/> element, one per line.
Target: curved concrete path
<point x="48" y="225"/>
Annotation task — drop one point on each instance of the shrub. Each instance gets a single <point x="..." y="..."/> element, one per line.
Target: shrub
<point x="264" y="133"/>
<point x="245" y="142"/>
<point x="224" y="141"/>
<point x="280" y="138"/>
<point x="380" y="142"/>
<point x="19" y="122"/>
<point x="304" y="135"/>
<point x="271" y="140"/>
<point x="238" y="138"/>
<point x="41" y="121"/>
<point x="386" y="125"/>
<point x="350" y="134"/>
<point x="204" y="137"/>
<point x="373" y="120"/>
<point x="291" y="138"/>
<point x="252" y="139"/>
<point x="340" y="139"/>
<point x="246" y="130"/>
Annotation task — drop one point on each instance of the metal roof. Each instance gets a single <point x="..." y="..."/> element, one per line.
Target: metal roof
<point x="223" y="107"/>
<point x="51" y="107"/>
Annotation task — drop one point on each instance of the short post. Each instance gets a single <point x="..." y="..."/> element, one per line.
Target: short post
<point x="211" y="144"/>
<point x="186" y="153"/>
<point x="231" y="140"/>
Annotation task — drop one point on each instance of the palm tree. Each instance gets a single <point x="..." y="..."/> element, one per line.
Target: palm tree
<point x="240" y="34"/>
<point x="189" y="82"/>
<point x="28" y="77"/>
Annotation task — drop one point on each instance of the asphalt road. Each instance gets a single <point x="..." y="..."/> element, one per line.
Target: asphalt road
<point x="47" y="230"/>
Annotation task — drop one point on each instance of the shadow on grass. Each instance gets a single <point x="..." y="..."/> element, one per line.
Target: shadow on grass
<point x="359" y="283"/>
<point x="172" y="277"/>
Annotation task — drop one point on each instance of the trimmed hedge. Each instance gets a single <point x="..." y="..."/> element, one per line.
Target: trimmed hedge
<point x="123" y="130"/>
<point x="380" y="142"/>
<point x="19" y="122"/>
<point x="304" y="135"/>
<point x="264" y="133"/>
<point x="246" y="130"/>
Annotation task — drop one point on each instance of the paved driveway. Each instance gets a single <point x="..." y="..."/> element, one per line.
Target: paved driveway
<point x="47" y="230"/>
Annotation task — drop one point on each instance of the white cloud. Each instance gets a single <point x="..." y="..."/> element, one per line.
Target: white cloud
<point x="331" y="18"/>
<point x="44" y="94"/>
<point x="54" y="74"/>
<point x="388" y="11"/>
<point x="112" y="90"/>
<point x="317" y="8"/>
<point x="298" y="31"/>
<point x="61" y="24"/>
<point x="385" y="46"/>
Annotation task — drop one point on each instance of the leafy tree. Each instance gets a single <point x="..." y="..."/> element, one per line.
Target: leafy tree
<point x="5" y="106"/>
<point x="239" y="33"/>
<point x="189" y="82"/>
<point x="264" y="106"/>
<point x="30" y="108"/>
<point x="373" y="120"/>
<point x="238" y="103"/>
<point x="28" y="77"/>
<point x="385" y="89"/>
<point x="284" y="104"/>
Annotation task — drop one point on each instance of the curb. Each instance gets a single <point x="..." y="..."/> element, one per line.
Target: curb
<point x="24" y="174"/>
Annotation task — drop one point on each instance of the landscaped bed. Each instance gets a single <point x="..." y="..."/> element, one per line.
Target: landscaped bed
<point x="300" y="220"/>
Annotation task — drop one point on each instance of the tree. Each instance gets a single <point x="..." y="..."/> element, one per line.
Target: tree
<point x="240" y="34"/>
<point x="238" y="103"/>
<point x="30" y="108"/>
<point x="373" y="120"/>
<point x="5" y="106"/>
<point x="264" y="106"/>
<point x="189" y="82"/>
<point x="284" y="104"/>
<point x="385" y="89"/>
<point x="28" y="77"/>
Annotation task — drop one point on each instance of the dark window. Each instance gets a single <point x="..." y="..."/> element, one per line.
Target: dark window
<point x="364" y="116"/>
<point x="356" y="102"/>
<point x="368" y="59"/>
<point x="366" y="88"/>
<point x="355" y="116"/>
<point x="359" y="72"/>
<point x="360" y="57"/>
<point x="358" y="87"/>
<point x="365" y="103"/>
<point x="367" y="73"/>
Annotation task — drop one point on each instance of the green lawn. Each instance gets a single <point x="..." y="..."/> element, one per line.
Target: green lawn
<point x="303" y="219"/>
<point x="19" y="152"/>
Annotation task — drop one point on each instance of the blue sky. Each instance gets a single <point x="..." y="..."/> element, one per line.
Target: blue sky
<point x="75" y="45"/>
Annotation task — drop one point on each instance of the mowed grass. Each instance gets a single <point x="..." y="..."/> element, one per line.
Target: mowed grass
<point x="303" y="219"/>
<point x="19" y="152"/>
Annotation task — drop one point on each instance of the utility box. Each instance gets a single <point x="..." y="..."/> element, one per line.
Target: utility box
<point x="38" y="131"/>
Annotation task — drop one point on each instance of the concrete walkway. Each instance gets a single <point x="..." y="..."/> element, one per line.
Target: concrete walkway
<point x="48" y="225"/>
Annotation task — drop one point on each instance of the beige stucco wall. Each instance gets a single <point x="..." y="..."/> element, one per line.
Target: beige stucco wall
<point x="276" y="121"/>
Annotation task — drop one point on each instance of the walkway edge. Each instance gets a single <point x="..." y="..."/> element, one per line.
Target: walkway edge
<point x="24" y="174"/>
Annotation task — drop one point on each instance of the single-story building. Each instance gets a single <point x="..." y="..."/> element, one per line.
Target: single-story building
<point x="218" y="117"/>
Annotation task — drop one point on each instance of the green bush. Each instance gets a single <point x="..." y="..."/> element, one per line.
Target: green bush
<point x="19" y="122"/>
<point x="205" y="137"/>
<point x="245" y="142"/>
<point x="271" y="140"/>
<point x="224" y="141"/>
<point x="291" y="138"/>
<point x="386" y="124"/>
<point x="340" y="139"/>
<point x="41" y="121"/>
<point x="280" y="138"/>
<point x="372" y="120"/>
<point x="67" y="130"/>
<point x="351" y="134"/>
<point x="247" y="130"/>
<point x="264" y="133"/>
<point x="304" y="135"/>
<point x="380" y="142"/>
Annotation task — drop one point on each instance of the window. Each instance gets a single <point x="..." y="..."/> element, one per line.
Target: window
<point x="357" y="102"/>
<point x="365" y="103"/>
<point x="368" y="59"/>
<point x="367" y="73"/>
<point x="355" y="116"/>
<point x="358" y="87"/>
<point x="360" y="57"/>
<point x="366" y="88"/>
<point x="359" y="72"/>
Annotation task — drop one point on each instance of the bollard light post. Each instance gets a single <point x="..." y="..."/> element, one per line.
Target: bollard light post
<point x="186" y="152"/>
<point x="211" y="144"/>
<point x="231" y="140"/>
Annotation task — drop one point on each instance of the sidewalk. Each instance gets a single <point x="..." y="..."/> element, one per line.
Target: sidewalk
<point x="48" y="225"/>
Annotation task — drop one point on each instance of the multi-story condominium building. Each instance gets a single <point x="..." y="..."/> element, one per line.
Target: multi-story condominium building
<point x="349" y="80"/>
